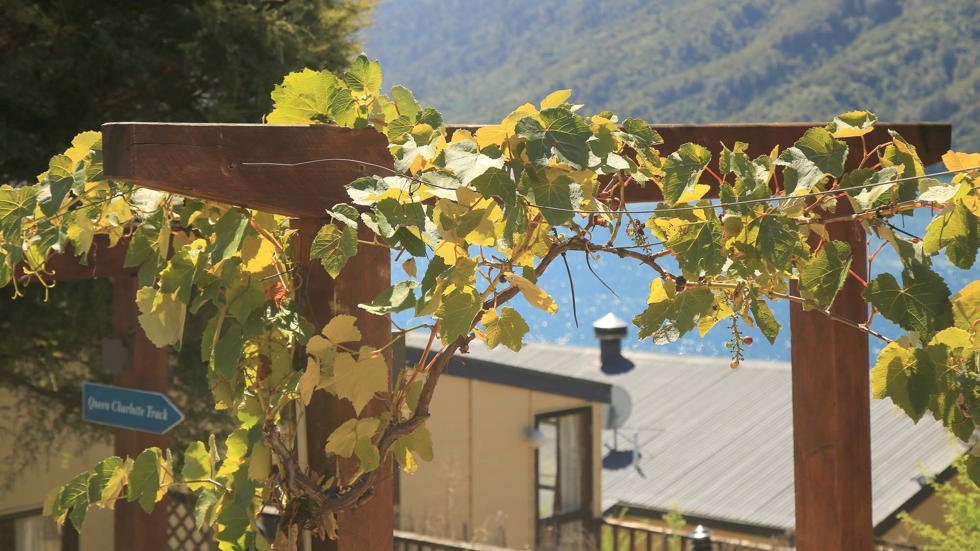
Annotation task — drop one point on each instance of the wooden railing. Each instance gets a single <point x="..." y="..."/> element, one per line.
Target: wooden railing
<point x="410" y="541"/>
<point x="621" y="535"/>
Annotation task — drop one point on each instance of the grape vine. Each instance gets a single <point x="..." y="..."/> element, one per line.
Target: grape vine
<point x="489" y="211"/>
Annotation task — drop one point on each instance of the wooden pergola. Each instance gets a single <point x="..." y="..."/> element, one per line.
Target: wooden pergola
<point x="831" y="392"/>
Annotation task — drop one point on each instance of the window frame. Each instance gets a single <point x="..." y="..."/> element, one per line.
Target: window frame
<point x="588" y="465"/>
<point x="69" y="536"/>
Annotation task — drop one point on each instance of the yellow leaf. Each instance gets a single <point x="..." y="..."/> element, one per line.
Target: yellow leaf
<point x="161" y="316"/>
<point x="114" y="487"/>
<point x="536" y="296"/>
<point x="342" y="328"/>
<point x="555" y="99"/>
<point x="461" y="135"/>
<point x="81" y="232"/>
<point x="694" y="194"/>
<point x="450" y="252"/>
<point x="309" y="381"/>
<point x="490" y="135"/>
<point x="258" y="255"/>
<point x="723" y="312"/>
<point x="260" y="462"/>
<point x="82" y="144"/>
<point x="358" y="381"/>
<point x="509" y="123"/>
<point x="344" y="438"/>
<point x="657" y="292"/>
<point x="955" y="160"/>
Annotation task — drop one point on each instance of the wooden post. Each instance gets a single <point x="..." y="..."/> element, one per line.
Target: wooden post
<point x="370" y="526"/>
<point x="831" y="416"/>
<point x="134" y="530"/>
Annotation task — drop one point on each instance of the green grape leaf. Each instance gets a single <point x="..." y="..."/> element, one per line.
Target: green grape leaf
<point x="333" y="247"/>
<point x="920" y="304"/>
<point x="825" y="273"/>
<point x="814" y="156"/>
<point x="466" y="161"/>
<point x="150" y="238"/>
<point x="144" y="479"/>
<point x="206" y="506"/>
<point x="507" y="328"/>
<point x="74" y="499"/>
<point x="956" y="231"/>
<point x="671" y="314"/>
<point x="228" y="234"/>
<point x="496" y="182"/>
<point x="235" y="517"/>
<point x="343" y="109"/>
<point x="302" y="98"/>
<point x="689" y="306"/>
<point x="559" y="131"/>
<point x="852" y="124"/>
<point x="406" y="449"/>
<point x="197" y="465"/>
<point x="682" y="170"/>
<point x="973" y="468"/>
<point x="557" y="198"/>
<point x="698" y="247"/>
<point x="106" y="482"/>
<point x="457" y="311"/>
<point x="364" y="76"/>
<point x="405" y="101"/>
<point x="638" y="134"/>
<point x="890" y="376"/>
<point x="56" y="184"/>
<point x="396" y="298"/>
<point x="228" y="351"/>
<point x="775" y="240"/>
<point x="367" y="454"/>
<point x="182" y="270"/>
<point x="15" y="205"/>
<point x="966" y="307"/>
<point x="765" y="320"/>
<point x="343" y="440"/>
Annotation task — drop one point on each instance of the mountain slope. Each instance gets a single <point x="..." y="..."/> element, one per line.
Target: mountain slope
<point x="705" y="61"/>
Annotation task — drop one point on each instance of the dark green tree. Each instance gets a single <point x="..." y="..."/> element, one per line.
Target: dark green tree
<point x="69" y="66"/>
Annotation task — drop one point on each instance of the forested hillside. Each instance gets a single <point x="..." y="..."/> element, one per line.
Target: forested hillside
<point x="704" y="61"/>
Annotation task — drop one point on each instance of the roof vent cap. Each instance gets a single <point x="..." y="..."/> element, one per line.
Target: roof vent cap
<point x="609" y="327"/>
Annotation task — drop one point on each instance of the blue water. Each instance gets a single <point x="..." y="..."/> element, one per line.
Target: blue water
<point x="631" y="280"/>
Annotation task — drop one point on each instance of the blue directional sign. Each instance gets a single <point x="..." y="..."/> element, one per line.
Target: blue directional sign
<point x="128" y="408"/>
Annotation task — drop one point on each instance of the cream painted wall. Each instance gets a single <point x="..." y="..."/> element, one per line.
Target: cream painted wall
<point x="33" y="485"/>
<point x="480" y="486"/>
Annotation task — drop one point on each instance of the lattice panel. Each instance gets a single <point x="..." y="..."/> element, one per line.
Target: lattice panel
<point x="182" y="534"/>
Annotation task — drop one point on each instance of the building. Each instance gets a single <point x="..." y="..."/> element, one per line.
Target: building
<point x="715" y="442"/>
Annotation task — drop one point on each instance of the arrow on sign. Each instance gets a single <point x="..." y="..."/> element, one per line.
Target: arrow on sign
<point x="128" y="408"/>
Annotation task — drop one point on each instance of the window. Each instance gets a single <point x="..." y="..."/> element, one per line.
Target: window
<point x="29" y="531"/>
<point x="564" y="479"/>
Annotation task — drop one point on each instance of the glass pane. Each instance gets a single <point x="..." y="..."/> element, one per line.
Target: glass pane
<point x="546" y="503"/>
<point x="572" y="461"/>
<point x="36" y="533"/>
<point x="548" y="454"/>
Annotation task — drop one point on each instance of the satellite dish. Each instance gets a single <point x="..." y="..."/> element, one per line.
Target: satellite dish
<point x="615" y="413"/>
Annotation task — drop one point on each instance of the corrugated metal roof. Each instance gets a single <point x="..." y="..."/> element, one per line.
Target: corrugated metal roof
<point x="719" y="442"/>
